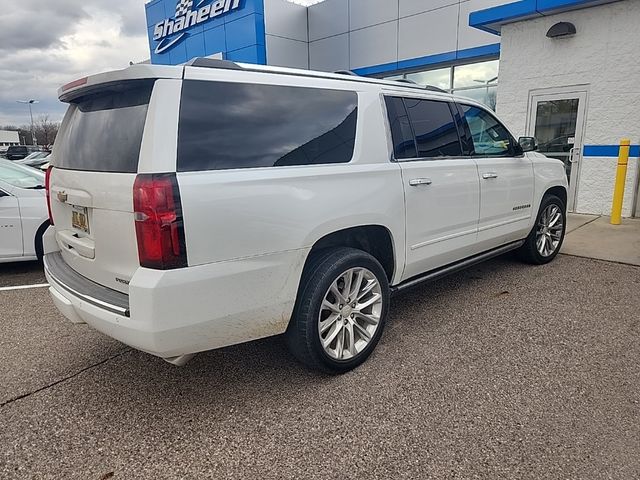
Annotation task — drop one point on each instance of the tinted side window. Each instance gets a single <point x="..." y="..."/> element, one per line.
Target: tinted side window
<point x="404" y="144"/>
<point x="435" y="130"/>
<point x="489" y="136"/>
<point x="238" y="125"/>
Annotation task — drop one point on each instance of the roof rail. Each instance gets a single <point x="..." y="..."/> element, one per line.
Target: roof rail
<point x="406" y="80"/>
<point x="213" y="63"/>
<point x="435" y="89"/>
<point x="346" y="72"/>
<point x="426" y="87"/>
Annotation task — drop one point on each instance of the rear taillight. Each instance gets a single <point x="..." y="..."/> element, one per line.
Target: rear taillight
<point x="159" y="225"/>
<point x="47" y="186"/>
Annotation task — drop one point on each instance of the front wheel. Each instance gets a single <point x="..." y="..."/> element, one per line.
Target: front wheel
<point x="340" y="311"/>
<point x="546" y="237"/>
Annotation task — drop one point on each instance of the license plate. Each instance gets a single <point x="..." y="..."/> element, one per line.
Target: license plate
<point x="80" y="218"/>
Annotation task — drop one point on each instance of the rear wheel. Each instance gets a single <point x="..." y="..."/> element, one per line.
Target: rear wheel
<point x="546" y="237"/>
<point x="38" y="240"/>
<point x="340" y="311"/>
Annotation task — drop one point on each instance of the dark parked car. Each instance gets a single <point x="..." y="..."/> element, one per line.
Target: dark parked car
<point x="18" y="152"/>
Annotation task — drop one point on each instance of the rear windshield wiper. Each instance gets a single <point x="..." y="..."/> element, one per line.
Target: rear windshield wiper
<point x="36" y="187"/>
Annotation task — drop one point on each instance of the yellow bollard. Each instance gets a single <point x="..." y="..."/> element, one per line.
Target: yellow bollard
<point x="621" y="176"/>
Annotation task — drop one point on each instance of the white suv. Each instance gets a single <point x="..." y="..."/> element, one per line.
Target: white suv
<point x="210" y="204"/>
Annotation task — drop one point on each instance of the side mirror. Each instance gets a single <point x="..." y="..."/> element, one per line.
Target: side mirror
<point x="528" y="144"/>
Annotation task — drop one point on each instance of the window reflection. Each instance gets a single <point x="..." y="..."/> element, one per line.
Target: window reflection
<point x="477" y="80"/>
<point x="438" y="78"/>
<point x="485" y="95"/>
<point x="237" y="125"/>
<point x="475" y="74"/>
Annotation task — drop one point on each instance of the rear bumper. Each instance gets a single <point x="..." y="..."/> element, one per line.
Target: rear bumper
<point x="177" y="312"/>
<point x="68" y="280"/>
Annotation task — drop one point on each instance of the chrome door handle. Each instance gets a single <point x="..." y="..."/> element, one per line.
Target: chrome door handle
<point x="574" y="155"/>
<point x="419" y="181"/>
<point x="489" y="175"/>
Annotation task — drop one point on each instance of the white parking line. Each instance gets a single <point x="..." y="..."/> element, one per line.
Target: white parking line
<point x="24" y="287"/>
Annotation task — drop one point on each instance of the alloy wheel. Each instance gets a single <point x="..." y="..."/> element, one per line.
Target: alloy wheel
<point x="350" y="313"/>
<point x="549" y="230"/>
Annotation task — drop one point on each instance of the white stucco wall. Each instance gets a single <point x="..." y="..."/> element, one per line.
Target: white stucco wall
<point x="604" y="56"/>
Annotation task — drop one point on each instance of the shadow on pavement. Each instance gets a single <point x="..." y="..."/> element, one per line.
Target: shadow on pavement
<point x="264" y="370"/>
<point x="21" y="273"/>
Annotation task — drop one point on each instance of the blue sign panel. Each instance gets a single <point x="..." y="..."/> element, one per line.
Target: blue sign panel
<point x="180" y="30"/>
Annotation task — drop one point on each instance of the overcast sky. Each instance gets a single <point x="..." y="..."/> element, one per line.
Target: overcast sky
<point x="47" y="43"/>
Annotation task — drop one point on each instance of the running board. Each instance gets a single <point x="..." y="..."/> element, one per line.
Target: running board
<point x="456" y="267"/>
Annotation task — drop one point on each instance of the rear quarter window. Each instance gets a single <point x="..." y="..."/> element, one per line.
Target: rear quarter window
<point x="239" y="125"/>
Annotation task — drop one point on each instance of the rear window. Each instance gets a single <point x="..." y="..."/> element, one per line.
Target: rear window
<point x="435" y="130"/>
<point x="422" y="128"/>
<point x="238" y="125"/>
<point x="102" y="132"/>
<point x="404" y="143"/>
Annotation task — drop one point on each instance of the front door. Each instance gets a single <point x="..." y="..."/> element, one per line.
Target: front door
<point x="556" y="119"/>
<point x="506" y="180"/>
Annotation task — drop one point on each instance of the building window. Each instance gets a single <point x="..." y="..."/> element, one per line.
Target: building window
<point x="440" y="78"/>
<point x="478" y="81"/>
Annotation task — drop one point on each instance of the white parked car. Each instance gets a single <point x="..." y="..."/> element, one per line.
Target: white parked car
<point x="205" y="205"/>
<point x="23" y="212"/>
<point x="35" y="160"/>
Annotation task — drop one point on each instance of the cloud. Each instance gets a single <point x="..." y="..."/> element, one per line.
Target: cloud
<point x="45" y="44"/>
<point x="37" y="24"/>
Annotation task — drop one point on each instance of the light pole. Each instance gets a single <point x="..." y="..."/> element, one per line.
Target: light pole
<point x="30" y="102"/>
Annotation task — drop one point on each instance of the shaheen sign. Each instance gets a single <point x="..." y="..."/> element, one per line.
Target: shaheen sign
<point x="189" y="13"/>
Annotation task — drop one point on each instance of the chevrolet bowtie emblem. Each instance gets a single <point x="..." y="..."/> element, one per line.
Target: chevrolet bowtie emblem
<point x="62" y="197"/>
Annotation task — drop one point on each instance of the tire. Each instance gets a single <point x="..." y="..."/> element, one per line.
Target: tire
<point x="349" y="333"/>
<point x="532" y="251"/>
<point x="38" y="240"/>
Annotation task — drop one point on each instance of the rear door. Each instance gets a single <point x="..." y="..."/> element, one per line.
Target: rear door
<point x="440" y="184"/>
<point x="506" y="179"/>
<point x="10" y="225"/>
<point x="95" y="163"/>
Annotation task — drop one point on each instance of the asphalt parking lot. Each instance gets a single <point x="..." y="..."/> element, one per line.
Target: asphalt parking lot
<point x="502" y="371"/>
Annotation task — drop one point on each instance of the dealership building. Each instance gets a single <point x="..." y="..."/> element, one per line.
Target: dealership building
<point x="564" y="71"/>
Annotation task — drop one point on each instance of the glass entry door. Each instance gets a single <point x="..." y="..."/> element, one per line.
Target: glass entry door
<point x="557" y="122"/>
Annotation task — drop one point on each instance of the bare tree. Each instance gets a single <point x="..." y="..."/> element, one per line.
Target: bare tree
<point x="45" y="130"/>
